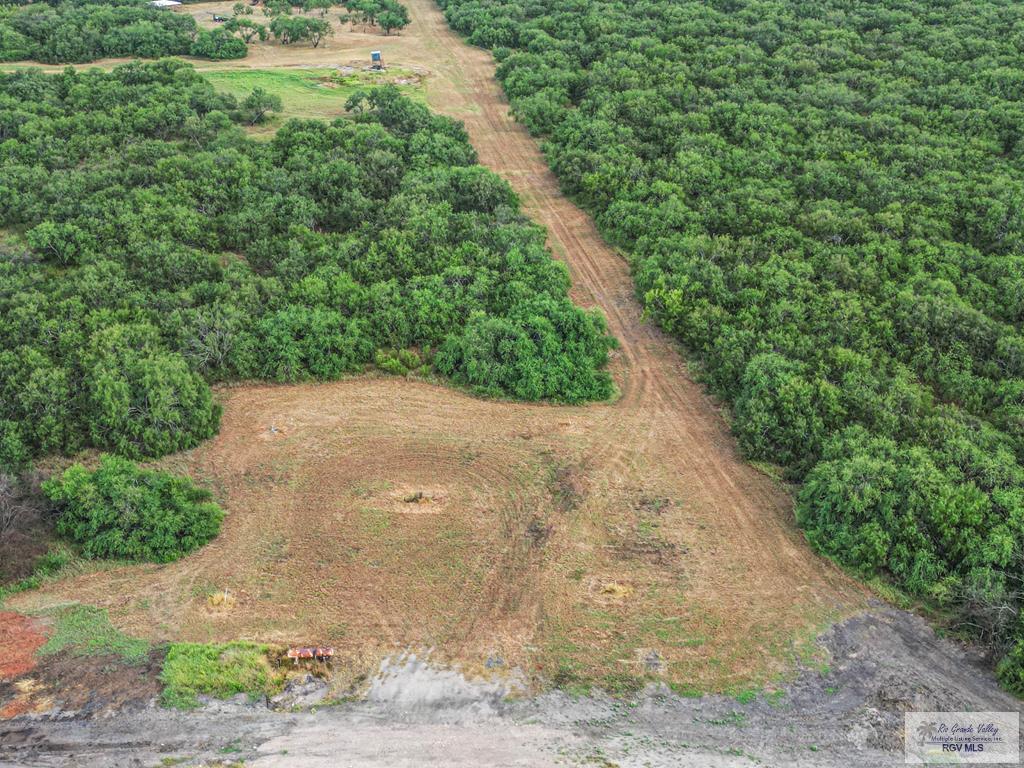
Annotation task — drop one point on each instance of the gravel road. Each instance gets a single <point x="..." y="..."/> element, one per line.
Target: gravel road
<point x="849" y="715"/>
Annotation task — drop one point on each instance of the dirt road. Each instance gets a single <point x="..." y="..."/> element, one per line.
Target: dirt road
<point x="752" y="513"/>
<point x="850" y="716"/>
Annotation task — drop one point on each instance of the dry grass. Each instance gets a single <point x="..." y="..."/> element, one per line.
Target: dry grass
<point x="383" y="514"/>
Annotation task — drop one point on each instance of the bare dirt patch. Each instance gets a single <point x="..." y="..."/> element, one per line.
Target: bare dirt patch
<point x="331" y="50"/>
<point x="83" y="686"/>
<point x="415" y="500"/>
<point x="20" y="638"/>
<point x="26" y="530"/>
<point x="21" y="548"/>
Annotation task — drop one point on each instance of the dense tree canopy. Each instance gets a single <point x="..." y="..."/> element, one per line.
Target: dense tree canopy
<point x="84" y="30"/>
<point x="152" y="248"/>
<point x="825" y="201"/>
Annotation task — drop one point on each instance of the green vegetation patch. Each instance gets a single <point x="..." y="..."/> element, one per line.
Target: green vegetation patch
<point x="389" y="15"/>
<point x="124" y="512"/>
<point x="86" y="631"/>
<point x="220" y="670"/>
<point x="74" y="31"/>
<point x="311" y="93"/>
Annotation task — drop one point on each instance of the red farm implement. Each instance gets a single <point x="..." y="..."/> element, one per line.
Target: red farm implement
<point x="317" y="653"/>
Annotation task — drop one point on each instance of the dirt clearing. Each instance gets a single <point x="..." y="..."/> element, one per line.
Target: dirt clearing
<point x="378" y="514"/>
<point x="81" y="686"/>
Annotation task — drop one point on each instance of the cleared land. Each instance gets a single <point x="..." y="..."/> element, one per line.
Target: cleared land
<point x="376" y="514"/>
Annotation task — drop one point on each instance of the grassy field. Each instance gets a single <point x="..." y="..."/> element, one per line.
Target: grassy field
<point x="216" y="670"/>
<point x="306" y="92"/>
<point x="86" y="631"/>
<point x="311" y="93"/>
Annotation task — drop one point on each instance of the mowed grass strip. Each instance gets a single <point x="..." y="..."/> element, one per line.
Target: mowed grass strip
<point x="83" y="630"/>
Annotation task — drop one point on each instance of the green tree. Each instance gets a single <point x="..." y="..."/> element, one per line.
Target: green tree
<point x="318" y="5"/>
<point x="246" y="28"/>
<point x="124" y="512"/>
<point x="776" y="414"/>
<point x="258" y="103"/>
<point x="395" y="16"/>
<point x="141" y="401"/>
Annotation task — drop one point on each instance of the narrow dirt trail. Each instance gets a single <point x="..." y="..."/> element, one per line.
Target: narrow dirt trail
<point x="589" y="538"/>
<point x="650" y="373"/>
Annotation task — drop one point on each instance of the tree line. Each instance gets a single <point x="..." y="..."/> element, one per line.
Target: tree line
<point x="389" y="15"/>
<point x="825" y="202"/>
<point x="153" y="248"/>
<point x="287" y="28"/>
<point x="76" y="31"/>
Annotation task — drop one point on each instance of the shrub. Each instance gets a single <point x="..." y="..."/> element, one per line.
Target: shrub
<point x="14" y="455"/>
<point x="779" y="413"/>
<point x="144" y="402"/>
<point x="409" y="359"/>
<point x="547" y="349"/>
<point x="219" y="670"/>
<point x="883" y="508"/>
<point x="218" y="44"/>
<point x="122" y="511"/>
<point x="1010" y="670"/>
<point x="389" y="362"/>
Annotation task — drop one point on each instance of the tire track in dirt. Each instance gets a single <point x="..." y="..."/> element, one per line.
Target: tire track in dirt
<point x="654" y="375"/>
